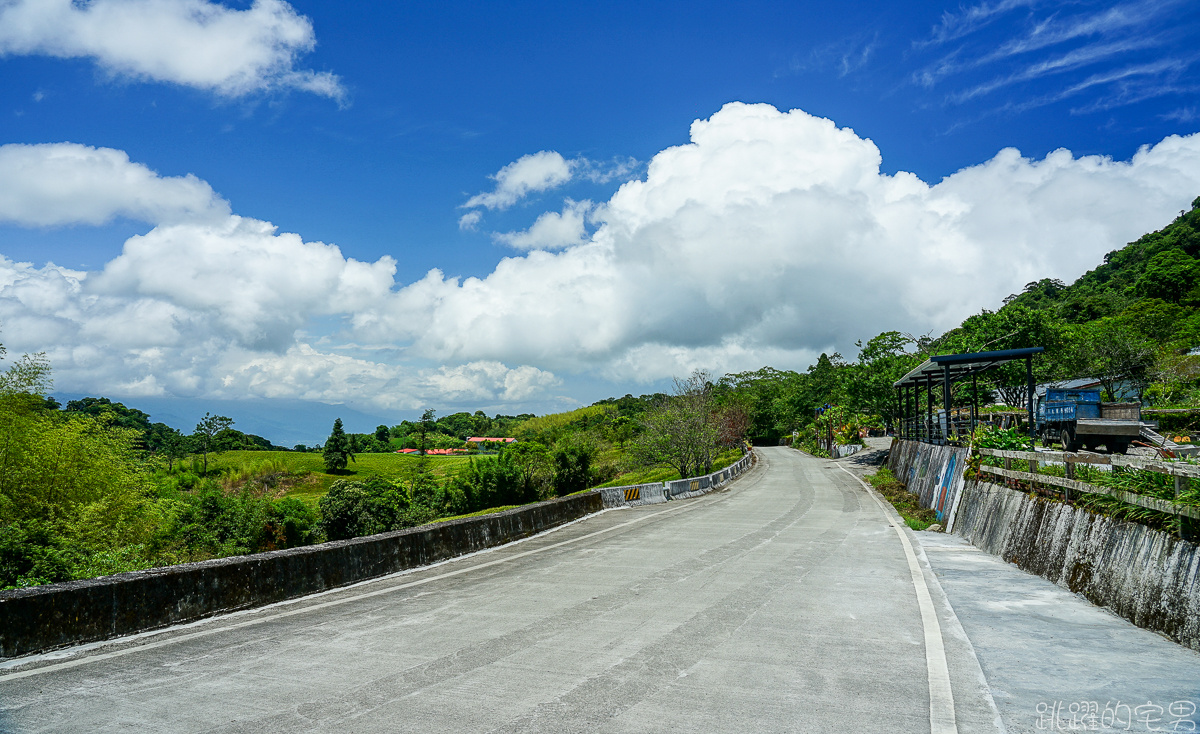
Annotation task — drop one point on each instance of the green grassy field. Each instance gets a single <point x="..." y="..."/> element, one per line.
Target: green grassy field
<point x="315" y="482"/>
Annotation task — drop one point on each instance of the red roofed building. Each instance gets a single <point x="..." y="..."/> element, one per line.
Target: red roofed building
<point x="432" y="452"/>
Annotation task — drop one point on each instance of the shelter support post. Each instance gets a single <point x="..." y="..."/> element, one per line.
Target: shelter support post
<point x="974" y="401"/>
<point x="1029" y="402"/>
<point x="946" y="401"/>
<point x="929" y="408"/>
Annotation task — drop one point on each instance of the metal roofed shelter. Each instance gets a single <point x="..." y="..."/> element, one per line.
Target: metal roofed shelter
<point x="948" y="369"/>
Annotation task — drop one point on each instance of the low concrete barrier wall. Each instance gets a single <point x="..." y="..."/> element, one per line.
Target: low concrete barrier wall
<point x="633" y="494"/>
<point x="696" y="486"/>
<point x="45" y="617"/>
<point x="644" y="494"/>
<point x="1144" y="575"/>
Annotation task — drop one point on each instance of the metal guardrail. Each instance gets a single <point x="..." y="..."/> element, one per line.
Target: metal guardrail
<point x="1180" y="472"/>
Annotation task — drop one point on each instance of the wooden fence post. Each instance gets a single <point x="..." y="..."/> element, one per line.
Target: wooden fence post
<point x="1183" y="519"/>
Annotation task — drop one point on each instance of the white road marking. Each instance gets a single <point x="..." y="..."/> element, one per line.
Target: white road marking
<point x="941" y="697"/>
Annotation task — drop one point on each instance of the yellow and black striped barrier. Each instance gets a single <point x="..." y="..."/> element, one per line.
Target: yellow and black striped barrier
<point x="633" y="493"/>
<point x="695" y="485"/>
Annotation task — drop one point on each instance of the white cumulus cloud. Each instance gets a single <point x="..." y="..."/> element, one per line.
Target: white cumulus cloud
<point x="528" y="174"/>
<point x="67" y="183"/>
<point x="776" y="232"/>
<point x="195" y="43"/>
<point x="552" y="230"/>
<point x="769" y="237"/>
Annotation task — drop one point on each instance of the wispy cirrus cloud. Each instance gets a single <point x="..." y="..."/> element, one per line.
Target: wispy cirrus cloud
<point x="1037" y="53"/>
<point x="843" y="56"/>
<point x="955" y="25"/>
<point x="1074" y="59"/>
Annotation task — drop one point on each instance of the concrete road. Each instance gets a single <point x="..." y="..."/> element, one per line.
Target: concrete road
<point x="1056" y="662"/>
<point x="788" y="602"/>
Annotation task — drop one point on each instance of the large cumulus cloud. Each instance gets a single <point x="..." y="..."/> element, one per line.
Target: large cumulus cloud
<point x="776" y="233"/>
<point x="769" y="237"/>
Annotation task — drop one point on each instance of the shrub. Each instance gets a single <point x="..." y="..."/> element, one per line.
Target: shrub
<point x="572" y="470"/>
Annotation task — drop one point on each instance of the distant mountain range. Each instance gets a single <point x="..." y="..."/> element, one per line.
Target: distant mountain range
<point x="282" y="422"/>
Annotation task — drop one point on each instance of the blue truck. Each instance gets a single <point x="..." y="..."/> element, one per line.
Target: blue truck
<point x="1078" y="419"/>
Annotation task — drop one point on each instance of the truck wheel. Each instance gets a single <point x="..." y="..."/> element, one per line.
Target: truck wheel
<point x="1070" y="442"/>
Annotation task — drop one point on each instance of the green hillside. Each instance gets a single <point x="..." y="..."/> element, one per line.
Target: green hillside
<point x="1153" y="283"/>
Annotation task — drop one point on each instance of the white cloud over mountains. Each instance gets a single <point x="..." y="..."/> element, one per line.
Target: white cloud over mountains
<point x="770" y="237"/>
<point x="194" y="43"/>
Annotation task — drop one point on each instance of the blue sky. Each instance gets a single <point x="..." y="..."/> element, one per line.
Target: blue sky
<point x="146" y="144"/>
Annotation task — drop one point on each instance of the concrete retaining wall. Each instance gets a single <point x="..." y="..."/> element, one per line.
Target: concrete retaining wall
<point x="1149" y="577"/>
<point x="935" y="473"/>
<point x="45" y="617"/>
<point x="842" y="451"/>
<point x="1144" y="575"/>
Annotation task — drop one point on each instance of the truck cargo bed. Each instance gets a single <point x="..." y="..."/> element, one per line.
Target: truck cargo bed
<point x="1103" y="426"/>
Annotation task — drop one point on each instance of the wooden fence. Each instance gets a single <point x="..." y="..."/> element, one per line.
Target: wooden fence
<point x="1180" y="472"/>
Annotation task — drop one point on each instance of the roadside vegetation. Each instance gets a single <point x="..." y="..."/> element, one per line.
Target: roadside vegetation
<point x="1137" y="481"/>
<point x="905" y="502"/>
<point x="96" y="487"/>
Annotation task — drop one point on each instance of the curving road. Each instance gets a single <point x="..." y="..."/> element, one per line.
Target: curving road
<point x="786" y="602"/>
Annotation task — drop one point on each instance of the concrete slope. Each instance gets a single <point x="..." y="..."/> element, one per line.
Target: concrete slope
<point x="786" y="602"/>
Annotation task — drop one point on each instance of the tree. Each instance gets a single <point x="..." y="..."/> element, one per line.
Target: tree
<point x="1169" y="275"/>
<point x="681" y="431"/>
<point x="206" y="433"/>
<point x="1113" y="353"/>
<point x="756" y="395"/>
<point x="733" y="422"/>
<point x="881" y="362"/>
<point x="1012" y="327"/>
<point x="29" y="375"/>
<point x="621" y="429"/>
<point x="572" y="470"/>
<point x="427" y="425"/>
<point x="383" y="434"/>
<point x="337" y="451"/>
<point x="535" y="465"/>
<point x="169" y="443"/>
